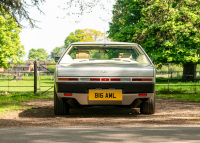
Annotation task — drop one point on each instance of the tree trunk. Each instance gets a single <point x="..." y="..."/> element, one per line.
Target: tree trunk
<point x="189" y="72"/>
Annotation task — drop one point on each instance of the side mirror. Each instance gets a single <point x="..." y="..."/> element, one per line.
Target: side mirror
<point x="57" y="59"/>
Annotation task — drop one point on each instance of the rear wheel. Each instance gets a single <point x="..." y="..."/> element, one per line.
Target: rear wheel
<point x="60" y="106"/>
<point x="148" y="107"/>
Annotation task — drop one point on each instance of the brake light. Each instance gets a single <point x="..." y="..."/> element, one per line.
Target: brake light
<point x="66" y="94"/>
<point x="95" y="79"/>
<point x="142" y="95"/>
<point x="105" y="79"/>
<point x="115" y="79"/>
<point x="147" y="79"/>
<point x="142" y="79"/>
<point x="67" y="79"/>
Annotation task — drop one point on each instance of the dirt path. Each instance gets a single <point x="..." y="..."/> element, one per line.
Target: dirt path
<point x="169" y="112"/>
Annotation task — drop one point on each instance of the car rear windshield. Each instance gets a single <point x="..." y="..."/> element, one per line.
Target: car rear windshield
<point x="104" y="54"/>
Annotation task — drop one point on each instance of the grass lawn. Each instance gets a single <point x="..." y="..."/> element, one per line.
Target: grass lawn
<point x="26" y="85"/>
<point x="11" y="101"/>
<point x="177" y="87"/>
<point x="186" y="97"/>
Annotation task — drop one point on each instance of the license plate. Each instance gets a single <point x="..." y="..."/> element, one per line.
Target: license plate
<point x="105" y="95"/>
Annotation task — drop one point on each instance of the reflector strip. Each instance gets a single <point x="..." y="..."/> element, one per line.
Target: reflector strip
<point x="142" y="79"/>
<point x="142" y="95"/>
<point x="105" y="79"/>
<point x="67" y="79"/>
<point x="115" y="79"/>
<point x="67" y="94"/>
<point x="147" y="79"/>
<point x="95" y="79"/>
<point x="135" y="79"/>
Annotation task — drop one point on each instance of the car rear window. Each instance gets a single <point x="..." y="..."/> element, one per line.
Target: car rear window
<point x="105" y="53"/>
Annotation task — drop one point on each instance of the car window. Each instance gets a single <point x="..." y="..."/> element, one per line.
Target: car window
<point x="102" y="53"/>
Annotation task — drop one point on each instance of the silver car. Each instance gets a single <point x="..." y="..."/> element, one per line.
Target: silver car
<point x="104" y="74"/>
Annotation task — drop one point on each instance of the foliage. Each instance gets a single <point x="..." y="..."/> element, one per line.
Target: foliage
<point x="10" y="46"/>
<point x="39" y="54"/>
<point x="90" y="35"/>
<point x="19" y="9"/>
<point x="126" y="14"/>
<point x="52" y="66"/>
<point x="170" y="67"/>
<point x="167" y="29"/>
<point x="78" y="8"/>
<point x="84" y="35"/>
<point x="56" y="52"/>
<point x="71" y="39"/>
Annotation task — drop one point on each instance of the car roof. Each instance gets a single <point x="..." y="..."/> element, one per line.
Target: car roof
<point x="103" y="43"/>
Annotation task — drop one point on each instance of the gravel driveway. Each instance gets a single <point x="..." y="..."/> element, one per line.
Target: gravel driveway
<point x="169" y="112"/>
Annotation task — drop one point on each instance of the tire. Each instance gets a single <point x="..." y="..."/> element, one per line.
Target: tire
<point x="60" y="106"/>
<point x="148" y="107"/>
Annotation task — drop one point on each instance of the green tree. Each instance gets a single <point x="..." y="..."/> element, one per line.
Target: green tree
<point x="167" y="29"/>
<point x="39" y="54"/>
<point x="84" y="35"/>
<point x="71" y="39"/>
<point x="10" y="46"/>
<point x="56" y="52"/>
<point x="19" y="9"/>
<point x="126" y="14"/>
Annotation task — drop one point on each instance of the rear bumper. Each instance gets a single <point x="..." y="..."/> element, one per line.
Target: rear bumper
<point x="83" y="99"/>
<point x="84" y="87"/>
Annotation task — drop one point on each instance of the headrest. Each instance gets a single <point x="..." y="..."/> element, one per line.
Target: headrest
<point x="82" y="55"/>
<point x="124" y="55"/>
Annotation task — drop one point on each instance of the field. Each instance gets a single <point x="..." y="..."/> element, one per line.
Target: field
<point x="177" y="87"/>
<point x="7" y="84"/>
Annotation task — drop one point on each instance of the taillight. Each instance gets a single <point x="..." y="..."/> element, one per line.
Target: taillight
<point x="147" y="79"/>
<point x="94" y="79"/>
<point x="142" y="79"/>
<point x="66" y="94"/>
<point x="142" y="95"/>
<point x="105" y="79"/>
<point x="115" y="79"/>
<point x="67" y="79"/>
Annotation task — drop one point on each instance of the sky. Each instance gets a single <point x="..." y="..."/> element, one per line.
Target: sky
<point x="55" y="26"/>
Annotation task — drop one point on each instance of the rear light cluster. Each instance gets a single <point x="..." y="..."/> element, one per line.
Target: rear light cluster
<point x="68" y="79"/>
<point x="105" y="79"/>
<point x="142" y="79"/>
<point x="94" y="79"/>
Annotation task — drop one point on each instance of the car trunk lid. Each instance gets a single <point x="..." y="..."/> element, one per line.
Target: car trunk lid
<point x="105" y="70"/>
